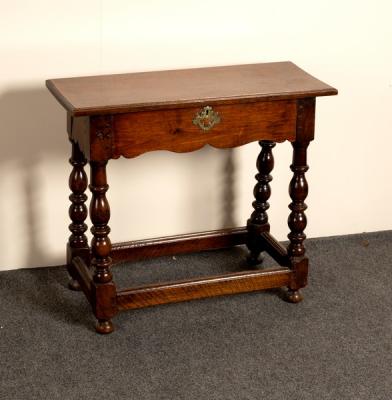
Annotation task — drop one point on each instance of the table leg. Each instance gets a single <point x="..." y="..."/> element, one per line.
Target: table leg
<point x="105" y="291"/>
<point x="258" y="221"/>
<point x="77" y="242"/>
<point x="298" y="190"/>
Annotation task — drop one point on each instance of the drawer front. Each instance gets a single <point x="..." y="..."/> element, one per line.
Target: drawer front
<point x="189" y="129"/>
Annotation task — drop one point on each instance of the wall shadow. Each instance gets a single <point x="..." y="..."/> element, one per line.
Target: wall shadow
<point x="33" y="128"/>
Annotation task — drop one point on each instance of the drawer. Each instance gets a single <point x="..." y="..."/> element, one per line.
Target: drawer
<point x="189" y="129"/>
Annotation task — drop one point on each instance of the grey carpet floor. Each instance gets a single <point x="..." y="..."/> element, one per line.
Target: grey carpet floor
<point x="336" y="344"/>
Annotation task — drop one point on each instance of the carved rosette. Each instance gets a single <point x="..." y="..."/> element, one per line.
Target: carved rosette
<point x="101" y="137"/>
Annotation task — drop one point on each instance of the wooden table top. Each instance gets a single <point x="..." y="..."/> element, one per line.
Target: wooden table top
<point x="121" y="93"/>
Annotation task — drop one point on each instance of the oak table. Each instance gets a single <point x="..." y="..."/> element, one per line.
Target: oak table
<point x="183" y="110"/>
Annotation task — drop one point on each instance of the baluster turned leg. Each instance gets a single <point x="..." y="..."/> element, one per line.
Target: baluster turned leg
<point x="77" y="242"/>
<point x="258" y="221"/>
<point x="105" y="291"/>
<point x="298" y="190"/>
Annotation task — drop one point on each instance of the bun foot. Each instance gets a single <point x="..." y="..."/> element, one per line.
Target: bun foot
<point x="293" y="296"/>
<point x="104" y="327"/>
<point x="73" y="284"/>
<point x="253" y="259"/>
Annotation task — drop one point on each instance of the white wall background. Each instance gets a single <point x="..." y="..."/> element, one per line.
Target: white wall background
<point x="345" y="43"/>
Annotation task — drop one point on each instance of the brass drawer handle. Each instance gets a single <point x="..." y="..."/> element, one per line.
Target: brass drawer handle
<point x="206" y="118"/>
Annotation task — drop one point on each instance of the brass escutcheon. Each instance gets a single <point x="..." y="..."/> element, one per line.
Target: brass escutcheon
<point x="206" y="118"/>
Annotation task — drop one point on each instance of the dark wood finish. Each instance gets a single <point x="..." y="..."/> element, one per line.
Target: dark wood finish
<point x="241" y="282"/>
<point x="262" y="189"/>
<point x="112" y="94"/>
<point x="258" y="221"/>
<point x="78" y="129"/>
<point x="274" y="249"/>
<point x="83" y="276"/>
<point x="77" y="243"/>
<point x="179" y="244"/>
<point x="298" y="190"/>
<point x="306" y="109"/>
<point x="130" y="114"/>
<point x="101" y="247"/>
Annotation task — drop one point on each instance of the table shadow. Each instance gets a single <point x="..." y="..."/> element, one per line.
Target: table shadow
<point x="33" y="127"/>
<point x="32" y="124"/>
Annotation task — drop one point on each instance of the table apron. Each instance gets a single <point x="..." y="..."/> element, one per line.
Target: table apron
<point x="177" y="130"/>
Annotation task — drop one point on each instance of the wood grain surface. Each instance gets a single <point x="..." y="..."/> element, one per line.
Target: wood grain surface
<point x="176" y="88"/>
<point x="178" y="244"/>
<point x="174" y="130"/>
<point x="240" y="282"/>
